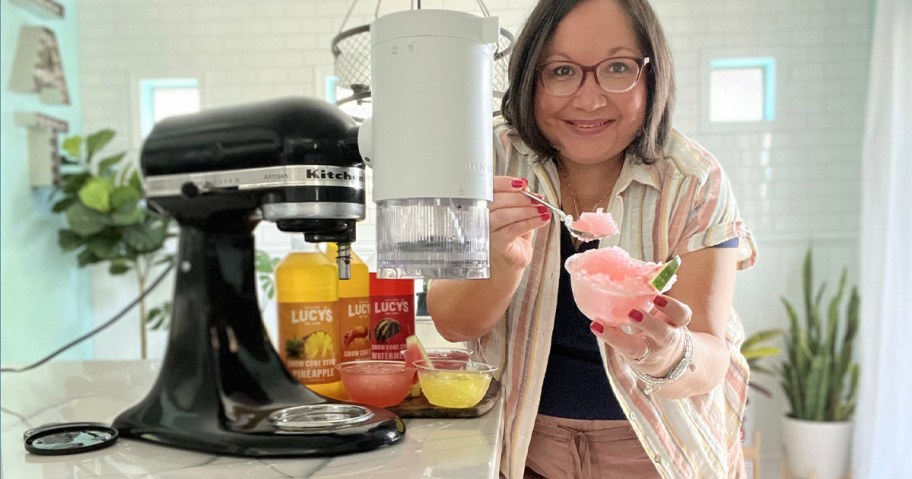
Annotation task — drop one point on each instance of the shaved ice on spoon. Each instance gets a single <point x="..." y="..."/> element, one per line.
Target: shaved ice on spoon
<point x="598" y="225"/>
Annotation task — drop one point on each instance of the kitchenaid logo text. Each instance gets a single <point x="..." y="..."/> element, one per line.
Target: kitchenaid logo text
<point x="391" y="306"/>
<point x="313" y="315"/>
<point x="321" y="174"/>
<point x="313" y="174"/>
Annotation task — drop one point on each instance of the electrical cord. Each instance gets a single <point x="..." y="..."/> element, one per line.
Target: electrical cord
<point x="98" y="329"/>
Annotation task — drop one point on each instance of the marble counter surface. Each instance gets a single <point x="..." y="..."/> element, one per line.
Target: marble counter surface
<point x="99" y="390"/>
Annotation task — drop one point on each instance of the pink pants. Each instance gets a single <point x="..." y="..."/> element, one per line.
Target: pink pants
<point x="582" y="449"/>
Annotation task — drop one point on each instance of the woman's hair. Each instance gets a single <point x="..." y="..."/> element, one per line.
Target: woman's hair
<point x="518" y="105"/>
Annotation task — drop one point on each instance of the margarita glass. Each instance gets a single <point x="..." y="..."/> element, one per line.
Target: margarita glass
<point x="607" y="283"/>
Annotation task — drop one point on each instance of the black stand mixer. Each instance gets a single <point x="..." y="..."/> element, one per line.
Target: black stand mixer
<point x="222" y="387"/>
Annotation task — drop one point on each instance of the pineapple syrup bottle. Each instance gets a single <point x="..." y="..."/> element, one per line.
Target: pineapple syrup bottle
<point x="306" y="296"/>
<point x="353" y="308"/>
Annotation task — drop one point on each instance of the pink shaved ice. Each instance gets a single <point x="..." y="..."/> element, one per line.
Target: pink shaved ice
<point x="607" y="283"/>
<point x="599" y="224"/>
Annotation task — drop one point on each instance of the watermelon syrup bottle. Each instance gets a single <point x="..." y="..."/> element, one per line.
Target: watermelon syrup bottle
<point x="306" y="297"/>
<point x="353" y="308"/>
<point x="392" y="316"/>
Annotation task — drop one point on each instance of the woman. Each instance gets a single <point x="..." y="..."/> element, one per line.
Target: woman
<point x="587" y="125"/>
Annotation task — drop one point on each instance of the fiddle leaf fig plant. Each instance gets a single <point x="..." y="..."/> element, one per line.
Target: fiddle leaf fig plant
<point x="107" y="218"/>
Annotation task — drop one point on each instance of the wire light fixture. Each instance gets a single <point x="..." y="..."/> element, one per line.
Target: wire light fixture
<point x="351" y="51"/>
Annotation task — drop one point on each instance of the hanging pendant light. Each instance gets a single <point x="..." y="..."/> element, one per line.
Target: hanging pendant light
<point x="351" y="50"/>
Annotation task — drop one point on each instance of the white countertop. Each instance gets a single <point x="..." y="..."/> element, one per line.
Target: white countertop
<point x="98" y="391"/>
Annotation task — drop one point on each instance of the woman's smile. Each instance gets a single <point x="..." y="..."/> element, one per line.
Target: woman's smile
<point x="589" y="127"/>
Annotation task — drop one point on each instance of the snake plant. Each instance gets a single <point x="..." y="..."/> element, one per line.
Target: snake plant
<point x="818" y="375"/>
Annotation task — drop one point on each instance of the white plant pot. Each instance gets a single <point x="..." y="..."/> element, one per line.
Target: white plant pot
<point x="817" y="449"/>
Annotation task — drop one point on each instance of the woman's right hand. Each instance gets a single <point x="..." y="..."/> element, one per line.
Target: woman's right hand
<point x="513" y="218"/>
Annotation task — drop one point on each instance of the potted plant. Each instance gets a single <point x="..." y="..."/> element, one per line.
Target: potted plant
<point x="820" y="378"/>
<point x="107" y="218"/>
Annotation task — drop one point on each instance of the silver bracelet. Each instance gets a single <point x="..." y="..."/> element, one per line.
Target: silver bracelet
<point x="653" y="384"/>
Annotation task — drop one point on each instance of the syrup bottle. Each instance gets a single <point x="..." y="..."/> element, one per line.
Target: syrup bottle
<point x="353" y="308"/>
<point x="392" y="316"/>
<point x="306" y="294"/>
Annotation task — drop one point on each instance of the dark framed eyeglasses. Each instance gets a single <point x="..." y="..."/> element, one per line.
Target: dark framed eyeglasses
<point x="614" y="75"/>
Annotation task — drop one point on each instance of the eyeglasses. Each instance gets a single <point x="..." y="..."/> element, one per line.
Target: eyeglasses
<point x="614" y="75"/>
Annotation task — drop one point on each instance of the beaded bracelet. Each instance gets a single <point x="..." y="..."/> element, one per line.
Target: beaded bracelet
<point x="653" y="384"/>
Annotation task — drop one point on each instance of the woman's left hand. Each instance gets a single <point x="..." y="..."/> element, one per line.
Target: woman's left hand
<point x="654" y="341"/>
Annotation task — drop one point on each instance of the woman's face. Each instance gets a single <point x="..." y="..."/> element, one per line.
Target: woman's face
<point x="592" y="125"/>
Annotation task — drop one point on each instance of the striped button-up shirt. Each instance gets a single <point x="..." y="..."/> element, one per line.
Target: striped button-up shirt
<point x="680" y="204"/>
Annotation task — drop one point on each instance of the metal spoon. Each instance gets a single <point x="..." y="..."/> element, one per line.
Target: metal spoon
<point x="581" y="235"/>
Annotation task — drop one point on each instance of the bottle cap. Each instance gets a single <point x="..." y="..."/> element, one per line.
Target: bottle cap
<point x="68" y="438"/>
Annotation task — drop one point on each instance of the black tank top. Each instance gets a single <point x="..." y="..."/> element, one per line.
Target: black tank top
<point x="575" y="384"/>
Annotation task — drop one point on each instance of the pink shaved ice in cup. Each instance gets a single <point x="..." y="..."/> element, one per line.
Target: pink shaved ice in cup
<point x="607" y="283"/>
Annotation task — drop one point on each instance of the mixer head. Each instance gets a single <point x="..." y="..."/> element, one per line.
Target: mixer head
<point x="292" y="161"/>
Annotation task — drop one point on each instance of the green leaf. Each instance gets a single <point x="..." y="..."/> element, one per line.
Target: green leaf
<point x="756" y="368"/>
<point x="96" y="194"/>
<point x="68" y="240"/>
<point x="106" y="167"/>
<point x="125" y="195"/>
<point x="145" y="237"/>
<point x="158" y="317"/>
<point x="86" y="257"/>
<point x="71" y="184"/>
<point x="96" y="142"/>
<point x="807" y="276"/>
<point x="135" y="181"/>
<point x="62" y="205"/>
<point x="119" y="267"/>
<point x="126" y="206"/>
<point x="127" y="215"/>
<point x="84" y="221"/>
<point x="73" y="146"/>
<point x="264" y="262"/>
<point x="760" y="352"/>
<point x="105" y="248"/>
<point x="761" y="337"/>
<point x="833" y="316"/>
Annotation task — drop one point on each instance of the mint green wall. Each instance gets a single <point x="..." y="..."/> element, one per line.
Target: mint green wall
<point x="46" y="298"/>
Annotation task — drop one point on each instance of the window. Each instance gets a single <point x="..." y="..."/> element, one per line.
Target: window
<point x="742" y="90"/>
<point x="161" y="98"/>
